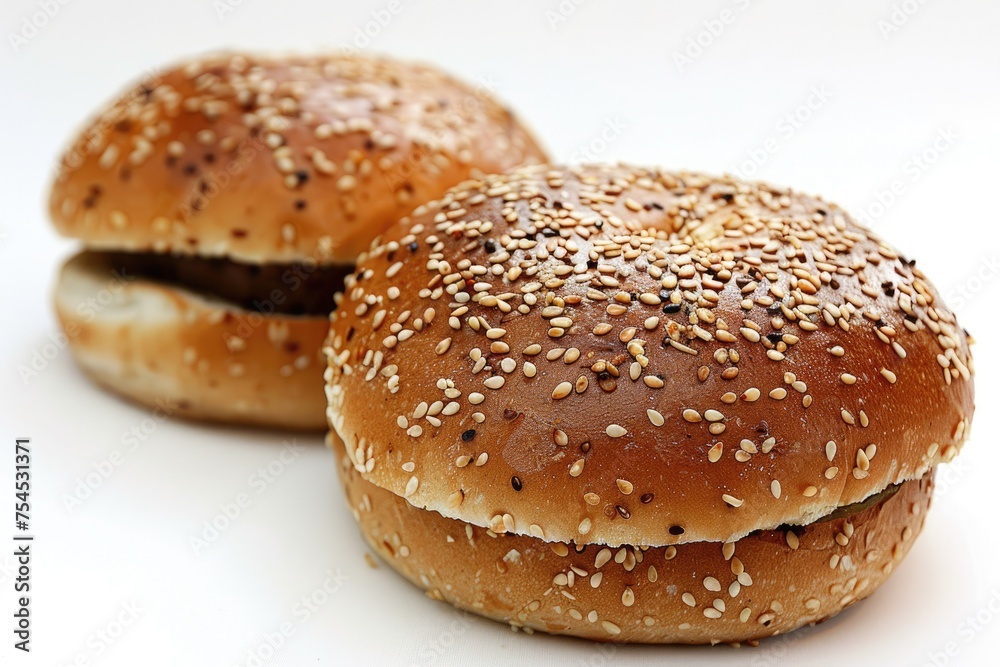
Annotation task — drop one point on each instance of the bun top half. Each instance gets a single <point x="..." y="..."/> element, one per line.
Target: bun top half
<point x="623" y="355"/>
<point x="277" y="159"/>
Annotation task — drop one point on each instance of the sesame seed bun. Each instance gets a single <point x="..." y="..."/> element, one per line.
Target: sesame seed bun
<point x="618" y="355"/>
<point x="613" y="356"/>
<point x="190" y="355"/>
<point x="769" y="582"/>
<point x="236" y="168"/>
<point x="277" y="159"/>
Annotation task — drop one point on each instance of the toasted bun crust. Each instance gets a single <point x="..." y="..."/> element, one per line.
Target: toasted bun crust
<point x="188" y="355"/>
<point x="695" y="593"/>
<point x="619" y="355"/>
<point x="277" y="158"/>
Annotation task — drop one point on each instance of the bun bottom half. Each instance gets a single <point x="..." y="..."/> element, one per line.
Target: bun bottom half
<point x="766" y="583"/>
<point x="189" y="355"/>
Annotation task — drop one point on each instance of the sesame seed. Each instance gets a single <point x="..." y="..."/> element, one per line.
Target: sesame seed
<point x="690" y="415"/>
<point x="862" y="460"/>
<point x="562" y="390"/>
<point x="624" y="486"/>
<point x="732" y="501"/>
<point x="495" y="382"/>
<point x="118" y="219"/>
<point x="776" y="488"/>
<point x="610" y="628"/>
<point x="615" y="431"/>
<point x="792" y="540"/>
<point x="655" y="417"/>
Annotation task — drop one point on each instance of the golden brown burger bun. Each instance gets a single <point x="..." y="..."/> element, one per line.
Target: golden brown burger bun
<point x="769" y="582"/>
<point x="628" y="356"/>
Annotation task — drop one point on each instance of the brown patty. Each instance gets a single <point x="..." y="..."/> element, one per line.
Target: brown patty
<point x="292" y="289"/>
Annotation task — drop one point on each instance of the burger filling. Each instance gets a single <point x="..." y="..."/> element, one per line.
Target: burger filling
<point x="872" y="500"/>
<point x="291" y="289"/>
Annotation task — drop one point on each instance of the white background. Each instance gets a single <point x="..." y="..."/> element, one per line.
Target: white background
<point x="881" y="96"/>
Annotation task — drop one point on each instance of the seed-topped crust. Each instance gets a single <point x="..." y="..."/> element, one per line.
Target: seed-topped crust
<point x="621" y="355"/>
<point x="277" y="159"/>
<point x="699" y="593"/>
